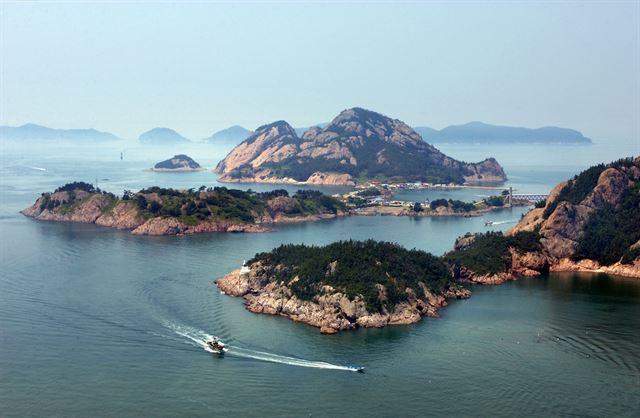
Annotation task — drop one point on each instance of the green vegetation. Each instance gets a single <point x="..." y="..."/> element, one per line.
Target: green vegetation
<point x="355" y="268"/>
<point x="489" y="253"/>
<point x="496" y="201"/>
<point x="610" y="232"/>
<point x="541" y="204"/>
<point x="193" y="206"/>
<point x="456" y="205"/>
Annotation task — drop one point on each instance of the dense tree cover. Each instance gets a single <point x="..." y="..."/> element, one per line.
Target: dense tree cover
<point x="456" y="205"/>
<point x="77" y="185"/>
<point x="489" y="253"/>
<point x="610" y="232"/>
<point x="496" y="201"/>
<point x="356" y="267"/>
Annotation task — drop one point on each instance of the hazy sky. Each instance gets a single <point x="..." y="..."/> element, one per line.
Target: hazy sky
<point x="201" y="66"/>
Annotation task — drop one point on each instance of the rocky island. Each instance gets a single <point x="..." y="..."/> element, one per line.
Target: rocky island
<point x="356" y="146"/>
<point x="160" y="211"/>
<point x="590" y="223"/>
<point x="345" y="285"/>
<point x="179" y="162"/>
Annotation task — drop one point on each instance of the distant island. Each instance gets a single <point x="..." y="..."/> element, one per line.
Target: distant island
<point x="179" y="162"/>
<point x="232" y="135"/>
<point x="32" y="131"/>
<point x="478" y="132"/>
<point x="358" y="145"/>
<point x="160" y="211"/>
<point x="162" y="136"/>
<point x="590" y="223"/>
<point x="345" y="285"/>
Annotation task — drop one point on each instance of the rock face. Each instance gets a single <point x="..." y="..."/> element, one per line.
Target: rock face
<point x="332" y="310"/>
<point x="564" y="226"/>
<point x="357" y="144"/>
<point x="179" y="162"/>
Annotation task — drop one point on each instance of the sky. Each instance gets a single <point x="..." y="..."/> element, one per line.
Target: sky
<point x="197" y="67"/>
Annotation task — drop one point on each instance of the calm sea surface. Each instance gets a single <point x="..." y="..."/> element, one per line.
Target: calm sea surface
<point x="97" y="322"/>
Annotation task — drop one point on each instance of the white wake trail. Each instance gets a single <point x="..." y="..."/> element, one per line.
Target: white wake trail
<point x="199" y="338"/>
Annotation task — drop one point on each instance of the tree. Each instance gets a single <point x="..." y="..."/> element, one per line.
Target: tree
<point x="417" y="207"/>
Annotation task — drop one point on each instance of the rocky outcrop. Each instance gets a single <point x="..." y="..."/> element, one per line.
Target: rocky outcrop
<point x="357" y="143"/>
<point x="561" y="223"/>
<point x="179" y="162"/>
<point x="331" y="310"/>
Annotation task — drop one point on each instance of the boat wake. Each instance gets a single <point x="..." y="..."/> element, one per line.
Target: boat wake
<point x="199" y="338"/>
<point x="503" y="222"/>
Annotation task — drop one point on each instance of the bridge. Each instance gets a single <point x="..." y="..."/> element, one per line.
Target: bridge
<point x="530" y="197"/>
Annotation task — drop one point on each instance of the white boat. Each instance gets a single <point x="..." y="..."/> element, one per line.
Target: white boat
<point x="217" y="346"/>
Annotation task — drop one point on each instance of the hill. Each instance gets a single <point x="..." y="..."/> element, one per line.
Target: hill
<point x="589" y="223"/>
<point x="357" y="145"/>
<point x="32" y="131"/>
<point x="179" y="162"/>
<point x="478" y="132"/>
<point x="162" y="136"/>
<point x="345" y="285"/>
<point x="229" y="136"/>
<point x="161" y="211"/>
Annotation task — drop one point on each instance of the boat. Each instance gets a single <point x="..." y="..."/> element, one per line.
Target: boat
<point x="488" y="223"/>
<point x="217" y="346"/>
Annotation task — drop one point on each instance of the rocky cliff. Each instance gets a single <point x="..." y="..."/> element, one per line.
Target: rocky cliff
<point x="357" y="144"/>
<point x="589" y="223"/>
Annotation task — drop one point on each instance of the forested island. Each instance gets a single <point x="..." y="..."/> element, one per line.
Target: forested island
<point x="161" y="211"/>
<point x="179" y="162"/>
<point x="589" y="223"/>
<point x="345" y="285"/>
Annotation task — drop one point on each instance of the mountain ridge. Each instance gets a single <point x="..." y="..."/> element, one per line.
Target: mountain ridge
<point x="358" y="144"/>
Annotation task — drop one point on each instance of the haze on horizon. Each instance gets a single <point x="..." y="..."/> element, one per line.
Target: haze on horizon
<point x="202" y="66"/>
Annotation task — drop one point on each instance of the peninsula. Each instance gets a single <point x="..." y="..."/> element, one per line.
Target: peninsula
<point x="590" y="223"/>
<point x="358" y="145"/>
<point x="160" y="211"/>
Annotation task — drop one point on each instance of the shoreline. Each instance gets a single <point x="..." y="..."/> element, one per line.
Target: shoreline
<point x="332" y="311"/>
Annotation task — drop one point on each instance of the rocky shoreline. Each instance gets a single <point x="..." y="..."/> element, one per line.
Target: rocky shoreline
<point x="106" y="210"/>
<point x="332" y="311"/>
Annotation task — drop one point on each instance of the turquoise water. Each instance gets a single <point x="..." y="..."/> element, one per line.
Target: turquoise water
<point x="95" y="321"/>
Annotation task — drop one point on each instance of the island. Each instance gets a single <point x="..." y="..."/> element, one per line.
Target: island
<point x="31" y="131"/>
<point x="180" y="162"/>
<point x="232" y="135"/>
<point x="483" y="133"/>
<point x="357" y="146"/>
<point x="161" y="211"/>
<point x="345" y="285"/>
<point x="590" y="223"/>
<point x="162" y="137"/>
